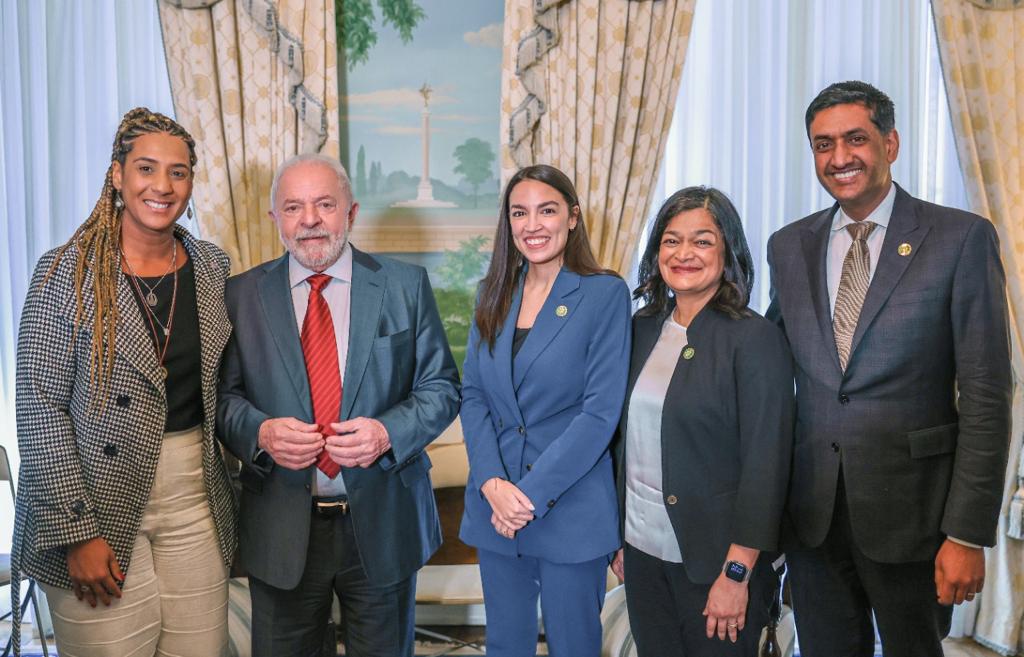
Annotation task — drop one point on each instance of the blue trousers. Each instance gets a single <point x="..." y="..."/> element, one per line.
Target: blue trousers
<point x="571" y="596"/>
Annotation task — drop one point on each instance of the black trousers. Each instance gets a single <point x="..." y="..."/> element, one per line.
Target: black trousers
<point x="836" y="587"/>
<point x="377" y="620"/>
<point x="665" y="609"/>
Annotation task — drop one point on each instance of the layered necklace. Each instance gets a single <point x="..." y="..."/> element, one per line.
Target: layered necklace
<point x="150" y="297"/>
<point x="149" y="306"/>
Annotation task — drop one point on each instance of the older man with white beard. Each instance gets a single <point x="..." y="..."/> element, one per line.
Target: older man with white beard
<point x="337" y="375"/>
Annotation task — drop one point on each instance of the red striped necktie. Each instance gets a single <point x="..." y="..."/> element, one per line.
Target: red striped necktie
<point x="320" y="350"/>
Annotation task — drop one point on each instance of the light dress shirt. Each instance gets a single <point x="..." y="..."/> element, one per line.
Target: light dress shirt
<point x="338" y="294"/>
<point x="840" y="241"/>
<point x="648" y="527"/>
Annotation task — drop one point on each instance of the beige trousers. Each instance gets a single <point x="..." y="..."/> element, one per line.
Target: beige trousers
<point x="175" y="597"/>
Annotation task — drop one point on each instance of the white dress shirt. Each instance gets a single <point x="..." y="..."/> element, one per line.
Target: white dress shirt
<point x="338" y="294"/>
<point x="840" y="241"/>
<point x="648" y="527"/>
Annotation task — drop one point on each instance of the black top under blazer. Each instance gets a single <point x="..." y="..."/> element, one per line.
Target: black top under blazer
<point x="726" y="435"/>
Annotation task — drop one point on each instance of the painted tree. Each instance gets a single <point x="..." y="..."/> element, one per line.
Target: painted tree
<point x="475" y="157"/>
<point x="355" y="24"/>
<point x="464" y="266"/>
<point x="360" y="180"/>
<point x="375" y="176"/>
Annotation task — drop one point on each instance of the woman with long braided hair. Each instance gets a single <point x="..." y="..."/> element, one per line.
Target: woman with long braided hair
<point x="124" y="510"/>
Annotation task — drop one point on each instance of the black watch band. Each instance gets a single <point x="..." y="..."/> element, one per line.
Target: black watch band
<point x="736" y="571"/>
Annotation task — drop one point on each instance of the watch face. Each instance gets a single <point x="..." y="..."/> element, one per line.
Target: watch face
<point x="734" y="570"/>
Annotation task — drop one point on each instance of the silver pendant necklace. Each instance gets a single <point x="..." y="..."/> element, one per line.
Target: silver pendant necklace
<point x="150" y="295"/>
<point x="151" y="317"/>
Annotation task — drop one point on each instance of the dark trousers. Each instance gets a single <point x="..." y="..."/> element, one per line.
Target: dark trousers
<point x="836" y="587"/>
<point x="666" y="609"/>
<point x="571" y="596"/>
<point x="377" y="620"/>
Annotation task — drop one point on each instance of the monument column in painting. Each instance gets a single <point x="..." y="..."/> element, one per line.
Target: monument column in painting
<point x="425" y="191"/>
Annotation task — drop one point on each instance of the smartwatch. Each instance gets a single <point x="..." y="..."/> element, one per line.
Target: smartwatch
<point x="736" y="571"/>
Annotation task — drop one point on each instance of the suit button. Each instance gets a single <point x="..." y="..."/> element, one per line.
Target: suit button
<point x="123" y="400"/>
<point x="529" y="467"/>
<point x="110" y="449"/>
<point x="522" y="431"/>
<point x="551" y="504"/>
<point x="835" y="447"/>
<point x="671" y="499"/>
<point x="78" y="507"/>
<point x="501" y="424"/>
<point x="844" y="399"/>
<point x="309" y="487"/>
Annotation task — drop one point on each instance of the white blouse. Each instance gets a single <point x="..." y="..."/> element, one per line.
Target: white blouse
<point x="648" y="527"/>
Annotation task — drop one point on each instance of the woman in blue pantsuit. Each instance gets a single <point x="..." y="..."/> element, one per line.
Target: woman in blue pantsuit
<point x="543" y="385"/>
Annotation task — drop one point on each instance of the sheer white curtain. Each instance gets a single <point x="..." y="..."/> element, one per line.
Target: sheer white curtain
<point x="68" y="71"/>
<point x="751" y="70"/>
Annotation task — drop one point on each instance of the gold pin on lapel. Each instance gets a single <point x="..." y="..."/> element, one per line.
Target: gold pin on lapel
<point x="561" y="311"/>
<point x="904" y="249"/>
<point x="688" y="353"/>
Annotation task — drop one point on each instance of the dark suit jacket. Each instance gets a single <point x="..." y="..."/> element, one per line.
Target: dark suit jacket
<point x="919" y="461"/>
<point x="544" y="420"/>
<point x="399" y="371"/>
<point x="726" y="435"/>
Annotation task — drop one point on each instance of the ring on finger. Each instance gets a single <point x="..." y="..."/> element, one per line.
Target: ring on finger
<point x="732" y="626"/>
<point x="84" y="588"/>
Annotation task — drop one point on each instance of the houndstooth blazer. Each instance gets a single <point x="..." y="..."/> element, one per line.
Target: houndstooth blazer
<point x="86" y="468"/>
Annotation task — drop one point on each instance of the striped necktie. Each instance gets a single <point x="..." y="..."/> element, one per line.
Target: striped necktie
<point x="320" y="350"/>
<point x="853" y="287"/>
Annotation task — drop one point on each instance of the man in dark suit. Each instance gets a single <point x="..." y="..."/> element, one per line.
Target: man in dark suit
<point x="896" y="314"/>
<point x="338" y="360"/>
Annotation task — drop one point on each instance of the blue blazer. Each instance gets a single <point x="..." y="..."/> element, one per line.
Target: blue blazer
<point x="545" y="420"/>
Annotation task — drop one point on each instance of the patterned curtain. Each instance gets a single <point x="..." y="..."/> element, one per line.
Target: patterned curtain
<point x="982" y="52"/>
<point x="255" y="82"/>
<point x="589" y="86"/>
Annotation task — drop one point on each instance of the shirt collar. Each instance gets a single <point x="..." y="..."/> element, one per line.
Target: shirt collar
<point x="341" y="269"/>
<point x="880" y="215"/>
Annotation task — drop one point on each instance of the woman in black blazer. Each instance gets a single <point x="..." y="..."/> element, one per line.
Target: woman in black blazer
<point x="704" y="444"/>
<point x="125" y="513"/>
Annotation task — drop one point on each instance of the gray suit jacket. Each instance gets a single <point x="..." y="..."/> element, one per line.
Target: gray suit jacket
<point x="920" y="420"/>
<point x="399" y="371"/>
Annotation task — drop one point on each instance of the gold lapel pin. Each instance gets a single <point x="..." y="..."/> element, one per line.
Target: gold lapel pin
<point x="688" y="353"/>
<point x="561" y="311"/>
<point x="904" y="249"/>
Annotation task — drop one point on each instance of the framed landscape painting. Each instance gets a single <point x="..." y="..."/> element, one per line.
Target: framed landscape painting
<point x="419" y="109"/>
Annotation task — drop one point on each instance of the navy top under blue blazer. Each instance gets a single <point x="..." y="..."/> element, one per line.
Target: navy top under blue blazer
<point x="544" y="420"/>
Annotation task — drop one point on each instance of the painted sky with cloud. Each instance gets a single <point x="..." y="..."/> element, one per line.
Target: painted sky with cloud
<point x="456" y="49"/>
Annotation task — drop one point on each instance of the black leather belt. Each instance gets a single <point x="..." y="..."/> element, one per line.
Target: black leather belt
<point x="330" y="506"/>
